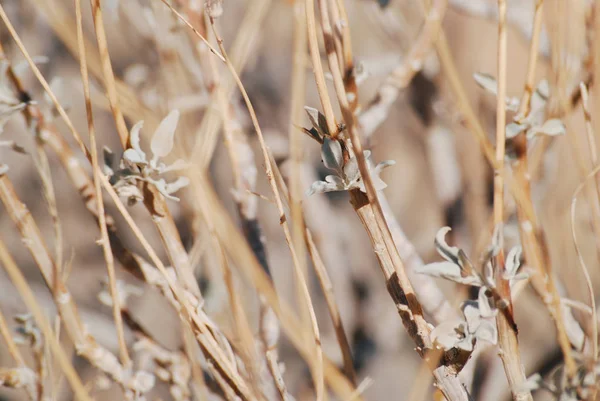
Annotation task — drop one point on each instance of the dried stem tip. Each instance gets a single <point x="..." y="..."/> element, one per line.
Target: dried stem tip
<point x="214" y="8"/>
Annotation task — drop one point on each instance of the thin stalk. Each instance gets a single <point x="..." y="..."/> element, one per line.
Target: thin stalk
<point x="245" y="260"/>
<point x="299" y="59"/>
<point x="507" y="334"/>
<point x="317" y="365"/>
<point x="334" y="311"/>
<point x="105" y="241"/>
<point x="529" y="229"/>
<point x="593" y="200"/>
<point x="593" y="336"/>
<point x="317" y="65"/>
<point x="107" y="70"/>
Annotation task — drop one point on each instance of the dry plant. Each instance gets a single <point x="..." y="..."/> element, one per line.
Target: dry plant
<point x="246" y="268"/>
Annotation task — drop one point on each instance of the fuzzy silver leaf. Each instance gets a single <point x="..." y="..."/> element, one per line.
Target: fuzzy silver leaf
<point x="448" y="252"/>
<point x="162" y="140"/>
<point x="332" y="155"/>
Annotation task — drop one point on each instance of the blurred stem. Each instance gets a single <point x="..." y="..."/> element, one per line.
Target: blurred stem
<point x="529" y="230"/>
<point x="107" y="71"/>
<point x="317" y="365"/>
<point x="507" y="330"/>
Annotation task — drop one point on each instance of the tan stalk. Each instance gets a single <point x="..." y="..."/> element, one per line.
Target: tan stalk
<point x="241" y="49"/>
<point x="241" y="323"/>
<point x="342" y="28"/>
<point x="588" y="280"/>
<point x="105" y="241"/>
<point x="43" y="166"/>
<point x="326" y="285"/>
<point x="334" y="312"/>
<point x="243" y="170"/>
<point x="85" y="343"/>
<point x="593" y="336"/>
<point x="317" y="365"/>
<point x="298" y="96"/>
<point x="529" y="229"/>
<point x="202" y="331"/>
<point x="594" y="157"/>
<point x="62" y="25"/>
<point x="241" y="158"/>
<point x="245" y="260"/>
<point x="471" y="120"/>
<point x="107" y="71"/>
<point x="26" y="293"/>
<point x="431" y="296"/>
<point x="317" y="65"/>
<point x="507" y="331"/>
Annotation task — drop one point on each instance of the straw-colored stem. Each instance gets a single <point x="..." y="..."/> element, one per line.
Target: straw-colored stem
<point x="298" y="96"/>
<point x="593" y="336"/>
<point x="241" y="323"/>
<point x="326" y="287"/>
<point x="317" y="366"/>
<point x="334" y="311"/>
<point x="106" y="248"/>
<point x="500" y="120"/>
<point x="507" y="333"/>
<point x="318" y="66"/>
<point x="534" y="251"/>
<point x="245" y="260"/>
<point x="241" y="49"/>
<point x="107" y="71"/>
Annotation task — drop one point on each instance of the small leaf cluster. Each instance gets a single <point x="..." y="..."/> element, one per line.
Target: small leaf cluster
<point x="479" y="315"/>
<point x="336" y="158"/>
<point x="534" y="123"/>
<point x="134" y="167"/>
